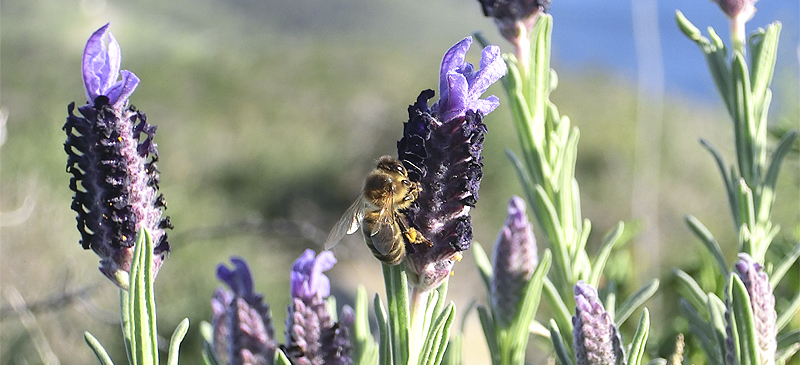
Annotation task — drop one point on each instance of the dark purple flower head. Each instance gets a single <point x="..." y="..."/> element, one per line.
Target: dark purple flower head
<point x="441" y="149"/>
<point x="111" y="156"/>
<point x="738" y="9"/>
<point x="312" y="338"/>
<point x="307" y="278"/>
<point x="101" y="62"/>
<point x="243" y="332"/>
<point x="762" y="302"/>
<point x="513" y="262"/>
<point x="513" y="17"/>
<point x="596" y="338"/>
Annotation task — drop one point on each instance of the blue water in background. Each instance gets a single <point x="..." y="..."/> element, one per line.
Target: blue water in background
<point x="604" y="29"/>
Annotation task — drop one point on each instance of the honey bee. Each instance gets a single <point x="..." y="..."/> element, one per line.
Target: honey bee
<point x="387" y="192"/>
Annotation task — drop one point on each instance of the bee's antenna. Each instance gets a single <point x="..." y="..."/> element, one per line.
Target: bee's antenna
<point x="419" y="170"/>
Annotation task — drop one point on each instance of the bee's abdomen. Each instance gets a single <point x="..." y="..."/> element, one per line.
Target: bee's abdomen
<point x="393" y="257"/>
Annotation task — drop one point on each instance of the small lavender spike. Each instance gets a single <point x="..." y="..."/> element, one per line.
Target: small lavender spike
<point x="312" y="338"/>
<point x="243" y="332"/>
<point x="513" y="261"/>
<point x="762" y="302"/>
<point x="596" y="338"/>
<point x="441" y="149"/>
<point x="111" y="156"/>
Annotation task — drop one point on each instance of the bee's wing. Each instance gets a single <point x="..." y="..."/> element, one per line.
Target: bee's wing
<point x="383" y="234"/>
<point x="347" y="224"/>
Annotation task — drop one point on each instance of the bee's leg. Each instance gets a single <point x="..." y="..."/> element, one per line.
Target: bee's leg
<point x="411" y="234"/>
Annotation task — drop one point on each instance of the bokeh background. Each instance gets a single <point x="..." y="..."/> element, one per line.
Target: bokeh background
<point x="270" y="113"/>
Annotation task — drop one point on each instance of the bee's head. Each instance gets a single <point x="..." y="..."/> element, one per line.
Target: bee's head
<point x="391" y="165"/>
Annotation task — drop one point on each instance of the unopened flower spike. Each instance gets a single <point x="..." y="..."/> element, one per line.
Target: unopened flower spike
<point x="111" y="156"/>
<point x="514" y="18"/>
<point x="441" y="149"/>
<point x="762" y="302"/>
<point x="596" y="338"/>
<point x="513" y="261"/>
<point x="312" y="338"/>
<point x="242" y="322"/>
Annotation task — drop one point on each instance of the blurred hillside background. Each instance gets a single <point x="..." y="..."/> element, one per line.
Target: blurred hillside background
<point x="270" y="113"/>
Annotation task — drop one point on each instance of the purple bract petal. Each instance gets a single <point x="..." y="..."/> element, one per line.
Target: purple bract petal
<point x="307" y="279"/>
<point x="460" y="85"/>
<point x="240" y="279"/>
<point x="101" y="69"/>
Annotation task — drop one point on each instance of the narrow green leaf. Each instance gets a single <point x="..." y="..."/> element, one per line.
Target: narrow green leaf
<point x="175" y="341"/>
<point x="708" y="241"/>
<point x="207" y="333"/>
<point x="97" y="348"/>
<point x="635" y="300"/>
<point x="519" y="331"/>
<point x="730" y="187"/>
<point x="789" y="338"/>
<point x="489" y="332"/>
<point x="640" y="339"/>
<point x="692" y="291"/>
<point x="763" y="46"/>
<point x="609" y="242"/>
<point x="437" y="338"/>
<point x="781" y="357"/>
<point x="399" y="315"/>
<point x="747" y="214"/>
<point x="561" y="314"/>
<point x="782" y="267"/>
<point x="385" y="346"/>
<point x="280" y="358"/>
<point x="688" y="28"/>
<point x="742" y="321"/>
<point x="540" y="71"/>
<point x="484" y="265"/>
<point x="365" y="349"/>
<point x="559" y="346"/>
<point x="771" y="178"/>
<point x="703" y="332"/>
<point x="524" y="180"/>
<point x="716" y="322"/>
<point x="552" y="228"/>
<point x="745" y="126"/>
<point x="452" y="356"/>
<point x="789" y="312"/>
<point x="657" y="361"/>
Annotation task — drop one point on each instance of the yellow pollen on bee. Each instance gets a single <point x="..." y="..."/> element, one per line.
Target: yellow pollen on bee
<point x="459" y="256"/>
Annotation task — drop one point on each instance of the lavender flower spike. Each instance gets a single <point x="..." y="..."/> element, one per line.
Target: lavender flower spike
<point x="762" y="301"/>
<point x="597" y="340"/>
<point x="111" y="156"/>
<point x="243" y="332"/>
<point x="312" y="338"/>
<point x="441" y="149"/>
<point x="101" y="62"/>
<point x="513" y="262"/>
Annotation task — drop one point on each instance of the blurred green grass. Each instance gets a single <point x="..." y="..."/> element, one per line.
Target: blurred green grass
<point x="269" y="115"/>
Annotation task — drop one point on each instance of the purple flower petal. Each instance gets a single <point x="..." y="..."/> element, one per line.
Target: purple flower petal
<point x="101" y="69"/>
<point x="307" y="279"/>
<point x="460" y="85"/>
<point x="240" y="279"/>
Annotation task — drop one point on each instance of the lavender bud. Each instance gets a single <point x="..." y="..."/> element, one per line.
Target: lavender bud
<point x="243" y="332"/>
<point x="597" y="340"/>
<point x="762" y="302"/>
<point x="312" y="338"/>
<point x="513" y="17"/>
<point x="513" y="262"/>
<point x="441" y="149"/>
<point x="111" y="156"/>
<point x="738" y="9"/>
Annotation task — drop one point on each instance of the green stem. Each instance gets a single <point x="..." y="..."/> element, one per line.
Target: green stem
<point x="419" y="300"/>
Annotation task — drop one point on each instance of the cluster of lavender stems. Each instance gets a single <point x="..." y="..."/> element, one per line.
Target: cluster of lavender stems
<point x="112" y="159"/>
